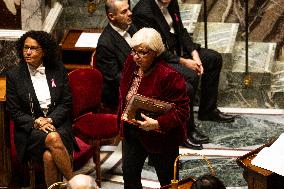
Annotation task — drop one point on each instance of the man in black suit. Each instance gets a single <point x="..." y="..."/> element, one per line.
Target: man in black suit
<point x="187" y="57"/>
<point x="112" y="50"/>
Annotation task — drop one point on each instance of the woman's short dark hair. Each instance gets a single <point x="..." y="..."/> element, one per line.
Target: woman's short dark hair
<point x="208" y="182"/>
<point x="47" y="43"/>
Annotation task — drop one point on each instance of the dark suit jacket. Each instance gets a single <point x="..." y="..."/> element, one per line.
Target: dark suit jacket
<point x="146" y="13"/>
<point x="21" y="97"/>
<point x="111" y="52"/>
<point x="166" y="84"/>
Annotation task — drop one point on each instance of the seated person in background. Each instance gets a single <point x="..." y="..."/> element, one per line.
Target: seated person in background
<point x="145" y="73"/>
<point x="39" y="101"/>
<point x="208" y="182"/>
<point x="111" y="53"/>
<point x="82" y="182"/>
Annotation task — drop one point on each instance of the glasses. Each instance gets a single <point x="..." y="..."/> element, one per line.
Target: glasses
<point x="140" y="54"/>
<point x="33" y="49"/>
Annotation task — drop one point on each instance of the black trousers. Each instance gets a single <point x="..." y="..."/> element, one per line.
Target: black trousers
<point x="134" y="156"/>
<point x="212" y="64"/>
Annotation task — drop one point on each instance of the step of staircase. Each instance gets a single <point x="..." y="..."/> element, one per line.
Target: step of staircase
<point x="261" y="58"/>
<point x="277" y="83"/>
<point x="220" y="37"/>
<point x="189" y="15"/>
<point x="133" y="3"/>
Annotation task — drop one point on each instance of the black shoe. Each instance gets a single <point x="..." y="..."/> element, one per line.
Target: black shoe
<point x="217" y="116"/>
<point x="192" y="145"/>
<point x="197" y="137"/>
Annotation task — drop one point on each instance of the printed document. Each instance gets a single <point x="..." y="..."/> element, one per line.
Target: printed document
<point x="272" y="158"/>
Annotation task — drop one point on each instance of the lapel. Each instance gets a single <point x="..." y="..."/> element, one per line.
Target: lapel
<point x="51" y="81"/>
<point x="160" y="20"/>
<point x="174" y="12"/>
<point x="121" y="43"/>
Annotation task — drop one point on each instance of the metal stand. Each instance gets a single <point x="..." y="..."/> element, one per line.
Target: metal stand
<point x="246" y="32"/>
<point x="205" y="23"/>
<point x="247" y="77"/>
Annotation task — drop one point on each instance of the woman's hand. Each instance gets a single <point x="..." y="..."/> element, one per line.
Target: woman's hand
<point x="47" y="128"/>
<point x="149" y="124"/>
<point x="195" y="65"/>
<point x="44" y="124"/>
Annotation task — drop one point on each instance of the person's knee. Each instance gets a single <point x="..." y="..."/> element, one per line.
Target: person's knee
<point x="192" y="79"/>
<point x="216" y="57"/>
<point x="53" y="139"/>
<point x="211" y="59"/>
<point x="190" y="90"/>
<point x="47" y="157"/>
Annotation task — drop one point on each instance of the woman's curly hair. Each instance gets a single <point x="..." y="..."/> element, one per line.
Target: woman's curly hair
<point x="47" y="43"/>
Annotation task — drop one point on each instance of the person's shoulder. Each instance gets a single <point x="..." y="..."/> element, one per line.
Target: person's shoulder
<point x="13" y="70"/>
<point x="168" y="75"/>
<point x="106" y="37"/>
<point x="143" y="7"/>
<point x="167" y="68"/>
<point x="106" y="31"/>
<point x="57" y="66"/>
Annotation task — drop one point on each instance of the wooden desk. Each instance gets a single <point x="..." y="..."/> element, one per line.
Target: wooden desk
<point x="256" y="177"/>
<point x="5" y="158"/>
<point x="76" y="57"/>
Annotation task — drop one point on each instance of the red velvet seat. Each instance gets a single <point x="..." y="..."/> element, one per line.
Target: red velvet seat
<point x="89" y="124"/>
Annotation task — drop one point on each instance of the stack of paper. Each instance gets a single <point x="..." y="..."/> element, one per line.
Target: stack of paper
<point x="272" y="158"/>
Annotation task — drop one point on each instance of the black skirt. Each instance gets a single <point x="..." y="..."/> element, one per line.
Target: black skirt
<point x="36" y="144"/>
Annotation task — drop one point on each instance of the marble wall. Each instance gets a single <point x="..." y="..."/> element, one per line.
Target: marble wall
<point x="57" y="16"/>
<point x="75" y="15"/>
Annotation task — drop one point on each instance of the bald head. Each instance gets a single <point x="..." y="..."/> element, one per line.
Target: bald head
<point x="118" y="13"/>
<point x="111" y="6"/>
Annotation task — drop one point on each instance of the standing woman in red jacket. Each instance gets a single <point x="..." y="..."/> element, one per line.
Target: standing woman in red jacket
<point x="157" y="138"/>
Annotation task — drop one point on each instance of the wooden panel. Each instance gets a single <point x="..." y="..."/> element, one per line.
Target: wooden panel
<point x="256" y="177"/>
<point x="76" y="57"/>
<point x="5" y="158"/>
<point x="2" y="89"/>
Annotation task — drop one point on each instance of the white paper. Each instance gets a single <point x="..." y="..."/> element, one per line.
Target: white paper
<point x="88" y="40"/>
<point x="272" y="158"/>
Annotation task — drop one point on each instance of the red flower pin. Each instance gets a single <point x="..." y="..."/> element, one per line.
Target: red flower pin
<point x="176" y="17"/>
<point x="53" y="83"/>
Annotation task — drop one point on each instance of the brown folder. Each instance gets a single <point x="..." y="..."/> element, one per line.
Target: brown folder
<point x="141" y="104"/>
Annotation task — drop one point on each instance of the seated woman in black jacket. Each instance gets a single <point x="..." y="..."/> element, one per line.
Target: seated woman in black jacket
<point x="39" y="100"/>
